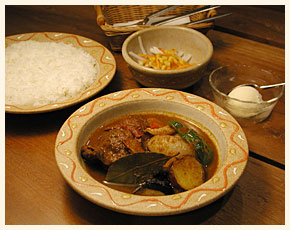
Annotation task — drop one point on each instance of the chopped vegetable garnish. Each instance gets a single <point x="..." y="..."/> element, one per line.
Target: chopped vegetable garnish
<point x="164" y="60"/>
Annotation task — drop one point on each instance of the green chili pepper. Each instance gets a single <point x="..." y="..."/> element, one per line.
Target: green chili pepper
<point x="203" y="151"/>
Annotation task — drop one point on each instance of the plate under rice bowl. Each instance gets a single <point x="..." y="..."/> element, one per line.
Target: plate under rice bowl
<point x="53" y="69"/>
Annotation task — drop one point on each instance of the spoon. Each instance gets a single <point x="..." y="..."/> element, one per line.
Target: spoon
<point x="263" y="86"/>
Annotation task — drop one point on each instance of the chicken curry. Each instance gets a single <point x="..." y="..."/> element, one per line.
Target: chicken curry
<point x="150" y="154"/>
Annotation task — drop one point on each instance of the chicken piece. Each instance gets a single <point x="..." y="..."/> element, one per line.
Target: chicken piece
<point x="135" y="124"/>
<point x="134" y="145"/>
<point x="165" y="130"/>
<point x="111" y="146"/>
<point x="88" y="153"/>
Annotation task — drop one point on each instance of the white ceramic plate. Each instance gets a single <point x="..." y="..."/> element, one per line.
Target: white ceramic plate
<point x="105" y="60"/>
<point x="225" y="131"/>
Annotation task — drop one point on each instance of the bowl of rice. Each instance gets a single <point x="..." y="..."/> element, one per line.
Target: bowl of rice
<point x="167" y="56"/>
<point x="48" y="71"/>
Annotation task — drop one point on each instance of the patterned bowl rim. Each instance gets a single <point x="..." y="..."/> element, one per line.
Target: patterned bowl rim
<point x="70" y="165"/>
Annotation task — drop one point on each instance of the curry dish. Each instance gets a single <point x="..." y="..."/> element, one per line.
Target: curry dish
<point x="183" y="156"/>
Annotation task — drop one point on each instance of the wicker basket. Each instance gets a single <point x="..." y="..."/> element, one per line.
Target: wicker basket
<point x="107" y="16"/>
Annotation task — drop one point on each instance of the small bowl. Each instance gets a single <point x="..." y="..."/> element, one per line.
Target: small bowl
<point x="223" y="129"/>
<point x="182" y="39"/>
<point x="222" y="81"/>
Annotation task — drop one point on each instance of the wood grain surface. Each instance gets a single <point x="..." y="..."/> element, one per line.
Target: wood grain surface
<point x="259" y="23"/>
<point x="35" y="191"/>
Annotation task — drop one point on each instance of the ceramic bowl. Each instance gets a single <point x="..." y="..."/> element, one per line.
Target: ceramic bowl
<point x="106" y="66"/>
<point x="221" y="126"/>
<point x="222" y="81"/>
<point x="182" y="39"/>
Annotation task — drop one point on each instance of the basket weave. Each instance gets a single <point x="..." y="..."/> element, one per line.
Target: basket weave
<point x="107" y="16"/>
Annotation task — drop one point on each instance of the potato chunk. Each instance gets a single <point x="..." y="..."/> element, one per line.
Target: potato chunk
<point x="186" y="173"/>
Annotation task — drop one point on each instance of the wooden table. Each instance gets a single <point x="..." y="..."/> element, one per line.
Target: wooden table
<point x="36" y="193"/>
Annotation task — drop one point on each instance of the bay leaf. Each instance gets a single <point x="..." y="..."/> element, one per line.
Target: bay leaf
<point x="136" y="168"/>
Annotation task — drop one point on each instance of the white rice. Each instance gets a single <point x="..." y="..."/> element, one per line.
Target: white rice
<point x="38" y="73"/>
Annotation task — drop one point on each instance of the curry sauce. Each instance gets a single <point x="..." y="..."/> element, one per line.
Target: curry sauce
<point x="133" y="133"/>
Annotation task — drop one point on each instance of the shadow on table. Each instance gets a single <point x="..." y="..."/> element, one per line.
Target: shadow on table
<point x="40" y="123"/>
<point x="43" y="123"/>
<point x="94" y="214"/>
<point x="36" y="124"/>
